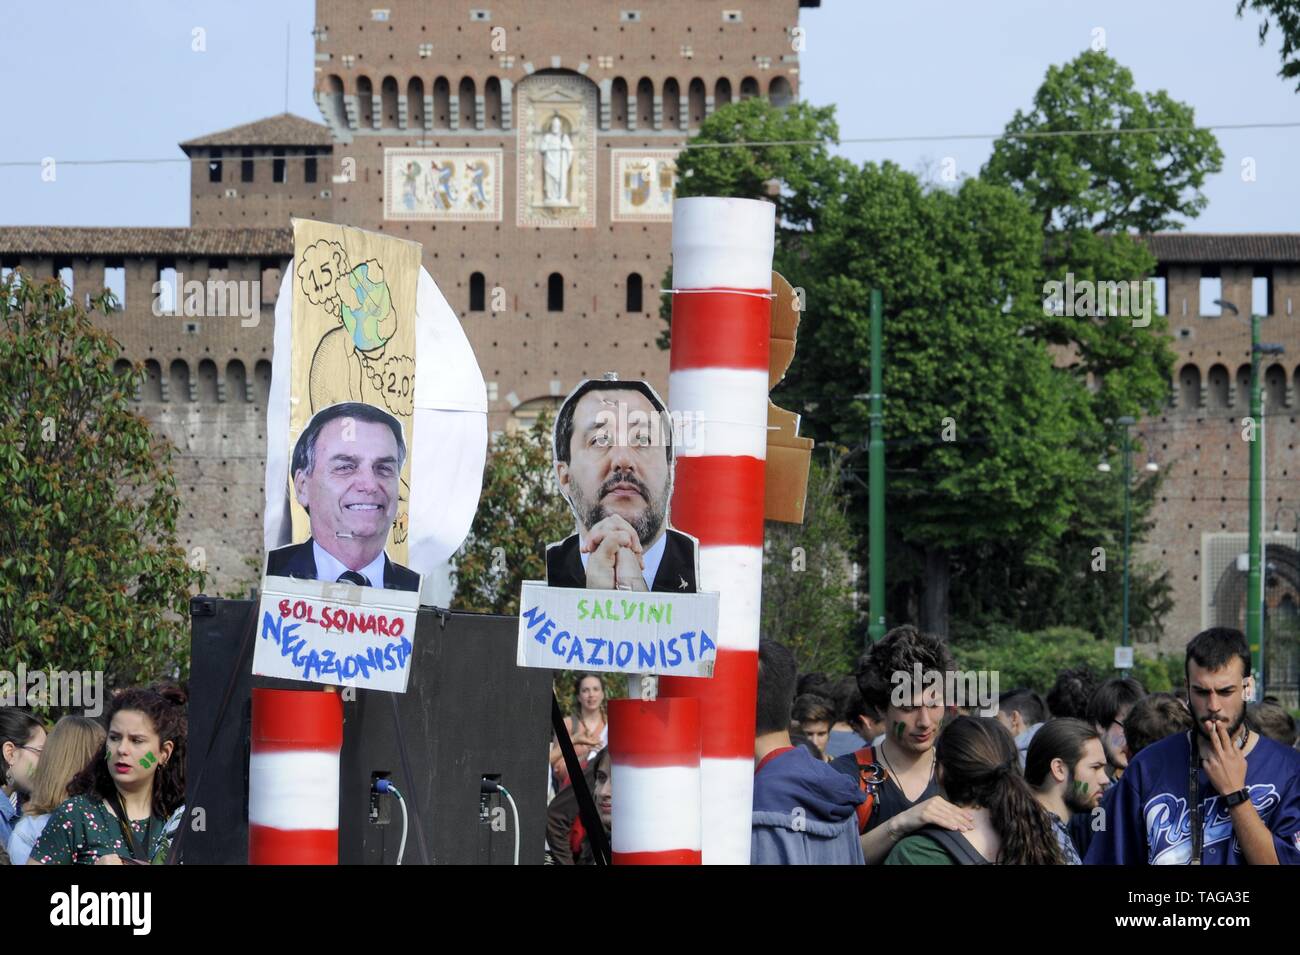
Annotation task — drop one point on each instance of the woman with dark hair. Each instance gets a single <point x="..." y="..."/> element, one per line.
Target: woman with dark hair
<point x="588" y="725"/>
<point x="979" y="770"/>
<point x="22" y="737"/>
<point x="139" y="779"/>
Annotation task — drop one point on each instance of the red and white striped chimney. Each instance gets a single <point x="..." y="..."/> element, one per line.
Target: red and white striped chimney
<point x="721" y="331"/>
<point x="293" y="778"/>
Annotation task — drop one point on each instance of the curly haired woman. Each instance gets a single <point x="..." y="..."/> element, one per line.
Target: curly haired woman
<point x="140" y="778"/>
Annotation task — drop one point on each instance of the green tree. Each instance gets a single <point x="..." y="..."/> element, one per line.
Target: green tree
<point x="1080" y="585"/>
<point x="958" y="272"/>
<point x="519" y="512"/>
<point x="1093" y="191"/>
<point x="1112" y="179"/>
<point x="1286" y="13"/>
<point x="91" y="576"/>
<point x="996" y="409"/>
<point x="982" y="432"/>
<point x="808" y="582"/>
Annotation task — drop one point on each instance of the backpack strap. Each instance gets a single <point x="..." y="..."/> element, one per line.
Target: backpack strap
<point x="954" y="844"/>
<point x="870" y="775"/>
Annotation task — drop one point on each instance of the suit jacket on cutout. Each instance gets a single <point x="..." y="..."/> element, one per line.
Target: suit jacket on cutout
<point x="298" y="560"/>
<point x="676" y="572"/>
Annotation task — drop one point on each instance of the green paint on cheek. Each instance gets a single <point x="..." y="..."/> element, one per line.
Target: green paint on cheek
<point x="149" y="760"/>
<point x="1080" y="788"/>
<point x="899" y="730"/>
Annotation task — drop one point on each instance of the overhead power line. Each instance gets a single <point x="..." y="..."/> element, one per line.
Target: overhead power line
<point x="690" y="144"/>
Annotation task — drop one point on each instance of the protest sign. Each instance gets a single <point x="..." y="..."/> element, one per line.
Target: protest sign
<point x="617" y="631"/>
<point x="354" y="312"/>
<point x="338" y="634"/>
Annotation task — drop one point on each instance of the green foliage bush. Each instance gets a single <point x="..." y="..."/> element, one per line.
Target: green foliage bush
<point x="1035" y="659"/>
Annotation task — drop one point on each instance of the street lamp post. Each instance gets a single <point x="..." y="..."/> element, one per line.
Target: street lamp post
<point x="1255" y="545"/>
<point x="1126" y="422"/>
<point x="876" y="474"/>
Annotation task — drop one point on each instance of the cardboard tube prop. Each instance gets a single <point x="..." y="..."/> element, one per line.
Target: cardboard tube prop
<point x="293" y="778"/>
<point x="654" y="752"/>
<point x="722" y="277"/>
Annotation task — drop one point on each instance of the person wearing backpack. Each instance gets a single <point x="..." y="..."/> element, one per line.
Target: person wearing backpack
<point x="898" y="777"/>
<point x="979" y="769"/>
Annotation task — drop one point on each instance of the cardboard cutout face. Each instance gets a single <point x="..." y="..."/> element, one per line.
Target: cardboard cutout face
<point x="618" y="463"/>
<point x="346" y="469"/>
<point x="351" y="479"/>
<point x="613" y="458"/>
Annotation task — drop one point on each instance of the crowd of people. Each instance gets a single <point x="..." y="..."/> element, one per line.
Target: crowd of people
<point x="68" y="791"/>
<point x="1092" y="772"/>
<point x="847" y="771"/>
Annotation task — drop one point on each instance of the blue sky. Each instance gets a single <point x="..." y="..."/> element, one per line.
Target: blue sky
<point x="121" y="80"/>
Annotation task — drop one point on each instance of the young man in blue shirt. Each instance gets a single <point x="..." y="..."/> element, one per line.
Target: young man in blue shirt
<point x="1218" y="795"/>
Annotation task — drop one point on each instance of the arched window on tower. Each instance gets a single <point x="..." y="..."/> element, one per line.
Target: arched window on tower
<point x="415" y="103"/>
<point x="1275" y="388"/>
<point x="779" y="91"/>
<point x="334" y="100"/>
<point x="672" y="104"/>
<point x="645" y="103"/>
<point x="492" y="103"/>
<point x="365" y="102"/>
<point x="618" y="104"/>
<point x="555" y="293"/>
<point x="477" y="292"/>
<point x="441" y="103"/>
<point x="467" y="103"/>
<point x="634" y="302"/>
<point x="697" y="101"/>
<point x="1216" y="388"/>
<point x="1189" y="387"/>
<point x="388" y="100"/>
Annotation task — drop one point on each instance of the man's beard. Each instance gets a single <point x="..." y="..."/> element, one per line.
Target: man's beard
<point x="647" y="524"/>
<point x="1233" y="730"/>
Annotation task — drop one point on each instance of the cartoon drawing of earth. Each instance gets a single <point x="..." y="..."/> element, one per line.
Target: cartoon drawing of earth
<point x="371" y="321"/>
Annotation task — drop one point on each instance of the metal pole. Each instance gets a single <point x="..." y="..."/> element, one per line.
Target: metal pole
<point x="1128" y="462"/>
<point x="1255" y="580"/>
<point x="876" y="486"/>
